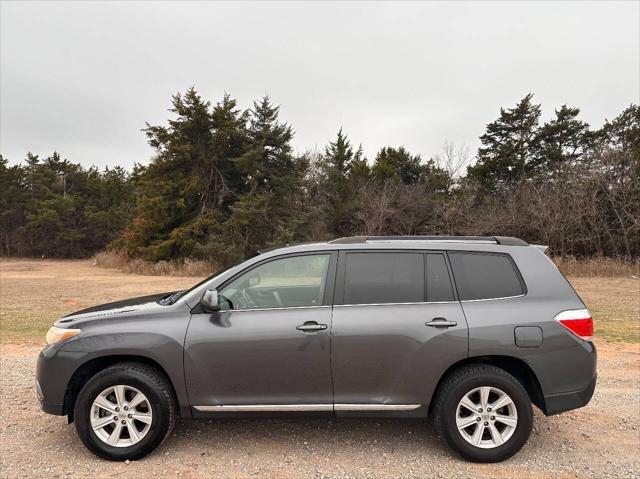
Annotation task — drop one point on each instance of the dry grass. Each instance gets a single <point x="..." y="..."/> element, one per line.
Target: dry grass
<point x="187" y="267"/>
<point x="601" y="267"/>
<point x="34" y="293"/>
<point x="615" y="306"/>
<point x="574" y="267"/>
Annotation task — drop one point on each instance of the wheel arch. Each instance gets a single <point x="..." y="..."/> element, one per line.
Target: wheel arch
<point x="514" y="366"/>
<point x="90" y="368"/>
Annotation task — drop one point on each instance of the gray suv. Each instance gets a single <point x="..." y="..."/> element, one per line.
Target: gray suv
<point x="469" y="330"/>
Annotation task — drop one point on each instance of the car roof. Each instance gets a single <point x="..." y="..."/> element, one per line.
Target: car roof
<point x="401" y="242"/>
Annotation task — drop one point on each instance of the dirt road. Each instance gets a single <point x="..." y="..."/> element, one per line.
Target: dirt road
<point x="600" y="440"/>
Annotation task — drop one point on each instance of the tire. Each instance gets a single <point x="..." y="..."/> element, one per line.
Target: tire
<point x="156" y="410"/>
<point x="470" y="382"/>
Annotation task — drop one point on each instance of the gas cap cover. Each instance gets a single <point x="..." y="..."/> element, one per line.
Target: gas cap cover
<point x="528" y="336"/>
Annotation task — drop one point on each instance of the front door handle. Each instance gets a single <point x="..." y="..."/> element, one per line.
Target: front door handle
<point x="311" y="326"/>
<point x="440" y="323"/>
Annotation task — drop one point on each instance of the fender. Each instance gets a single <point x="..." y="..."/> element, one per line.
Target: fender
<point x="157" y="337"/>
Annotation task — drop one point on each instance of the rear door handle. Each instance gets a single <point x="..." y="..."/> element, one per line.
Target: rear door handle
<point x="440" y="323"/>
<point x="311" y="326"/>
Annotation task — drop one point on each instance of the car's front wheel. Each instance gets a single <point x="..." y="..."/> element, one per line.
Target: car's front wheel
<point x="125" y="411"/>
<point x="484" y="413"/>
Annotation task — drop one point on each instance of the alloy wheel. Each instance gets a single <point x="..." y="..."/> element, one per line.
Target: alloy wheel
<point x="121" y="416"/>
<point x="486" y="417"/>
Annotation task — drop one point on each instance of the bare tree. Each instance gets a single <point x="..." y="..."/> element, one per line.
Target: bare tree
<point x="453" y="158"/>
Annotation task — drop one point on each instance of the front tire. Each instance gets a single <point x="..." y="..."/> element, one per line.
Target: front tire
<point x="125" y="411"/>
<point x="483" y="413"/>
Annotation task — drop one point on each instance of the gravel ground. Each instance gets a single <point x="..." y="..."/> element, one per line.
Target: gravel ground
<point x="600" y="440"/>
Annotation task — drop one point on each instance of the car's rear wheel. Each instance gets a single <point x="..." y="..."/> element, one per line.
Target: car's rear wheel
<point x="125" y="411"/>
<point x="484" y="413"/>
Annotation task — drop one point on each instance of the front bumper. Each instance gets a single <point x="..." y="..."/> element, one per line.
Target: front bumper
<point x="48" y="407"/>
<point x="52" y="376"/>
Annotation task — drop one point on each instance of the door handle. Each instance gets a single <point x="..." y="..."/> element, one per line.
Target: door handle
<point x="440" y="323"/>
<point x="311" y="326"/>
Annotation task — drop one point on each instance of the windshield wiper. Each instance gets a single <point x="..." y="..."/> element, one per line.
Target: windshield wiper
<point x="172" y="298"/>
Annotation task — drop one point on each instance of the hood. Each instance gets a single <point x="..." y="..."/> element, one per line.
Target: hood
<point x="117" y="308"/>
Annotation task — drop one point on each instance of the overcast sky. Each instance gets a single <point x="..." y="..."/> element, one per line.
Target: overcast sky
<point x="83" y="78"/>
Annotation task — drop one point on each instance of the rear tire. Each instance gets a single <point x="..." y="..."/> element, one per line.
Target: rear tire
<point x="125" y="411"/>
<point x="492" y="434"/>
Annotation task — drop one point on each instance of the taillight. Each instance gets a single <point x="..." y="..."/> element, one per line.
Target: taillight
<point x="578" y="321"/>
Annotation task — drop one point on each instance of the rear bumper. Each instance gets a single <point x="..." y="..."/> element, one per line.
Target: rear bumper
<point x="567" y="375"/>
<point x="558" y="403"/>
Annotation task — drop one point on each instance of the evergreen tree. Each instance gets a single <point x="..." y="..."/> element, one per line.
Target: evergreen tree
<point x="268" y="165"/>
<point x="267" y="213"/>
<point x="230" y="142"/>
<point x="342" y="168"/>
<point x="507" y="146"/>
<point x="56" y="208"/>
<point x="398" y="163"/>
<point x="13" y="199"/>
<point x="561" y="142"/>
<point x="623" y="133"/>
<point x="193" y="180"/>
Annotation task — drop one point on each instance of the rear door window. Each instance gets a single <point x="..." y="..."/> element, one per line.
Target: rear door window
<point x="438" y="281"/>
<point x="374" y="278"/>
<point x="485" y="275"/>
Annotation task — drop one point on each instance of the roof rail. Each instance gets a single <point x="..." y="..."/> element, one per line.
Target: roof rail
<point x="349" y="240"/>
<point x="510" y="241"/>
<point x="268" y="249"/>
<point x="501" y="240"/>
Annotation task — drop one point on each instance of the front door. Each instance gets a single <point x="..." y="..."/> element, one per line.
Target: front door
<point x="396" y="327"/>
<point x="268" y="349"/>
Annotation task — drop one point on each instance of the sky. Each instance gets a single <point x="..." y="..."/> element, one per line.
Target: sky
<point x="82" y="78"/>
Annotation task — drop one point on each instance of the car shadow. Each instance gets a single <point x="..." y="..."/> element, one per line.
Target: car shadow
<point x="343" y="434"/>
<point x="321" y="441"/>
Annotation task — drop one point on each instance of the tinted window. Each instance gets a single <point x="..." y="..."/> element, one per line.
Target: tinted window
<point x="372" y="278"/>
<point x="438" y="281"/>
<point x="484" y="275"/>
<point x="281" y="283"/>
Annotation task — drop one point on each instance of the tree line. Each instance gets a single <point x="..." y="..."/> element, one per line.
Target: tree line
<point x="225" y="182"/>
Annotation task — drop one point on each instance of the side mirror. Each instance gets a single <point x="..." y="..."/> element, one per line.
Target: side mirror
<point x="210" y="300"/>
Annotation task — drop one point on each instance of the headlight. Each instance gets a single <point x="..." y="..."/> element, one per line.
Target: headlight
<point x="55" y="334"/>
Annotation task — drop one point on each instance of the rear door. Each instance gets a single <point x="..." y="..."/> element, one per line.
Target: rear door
<point x="397" y="326"/>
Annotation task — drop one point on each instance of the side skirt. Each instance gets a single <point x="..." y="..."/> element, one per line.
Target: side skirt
<point x="271" y="408"/>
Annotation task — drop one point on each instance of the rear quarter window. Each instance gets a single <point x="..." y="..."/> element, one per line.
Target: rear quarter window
<point x="485" y="275"/>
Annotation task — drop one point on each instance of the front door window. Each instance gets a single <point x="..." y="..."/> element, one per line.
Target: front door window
<point x="289" y="282"/>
